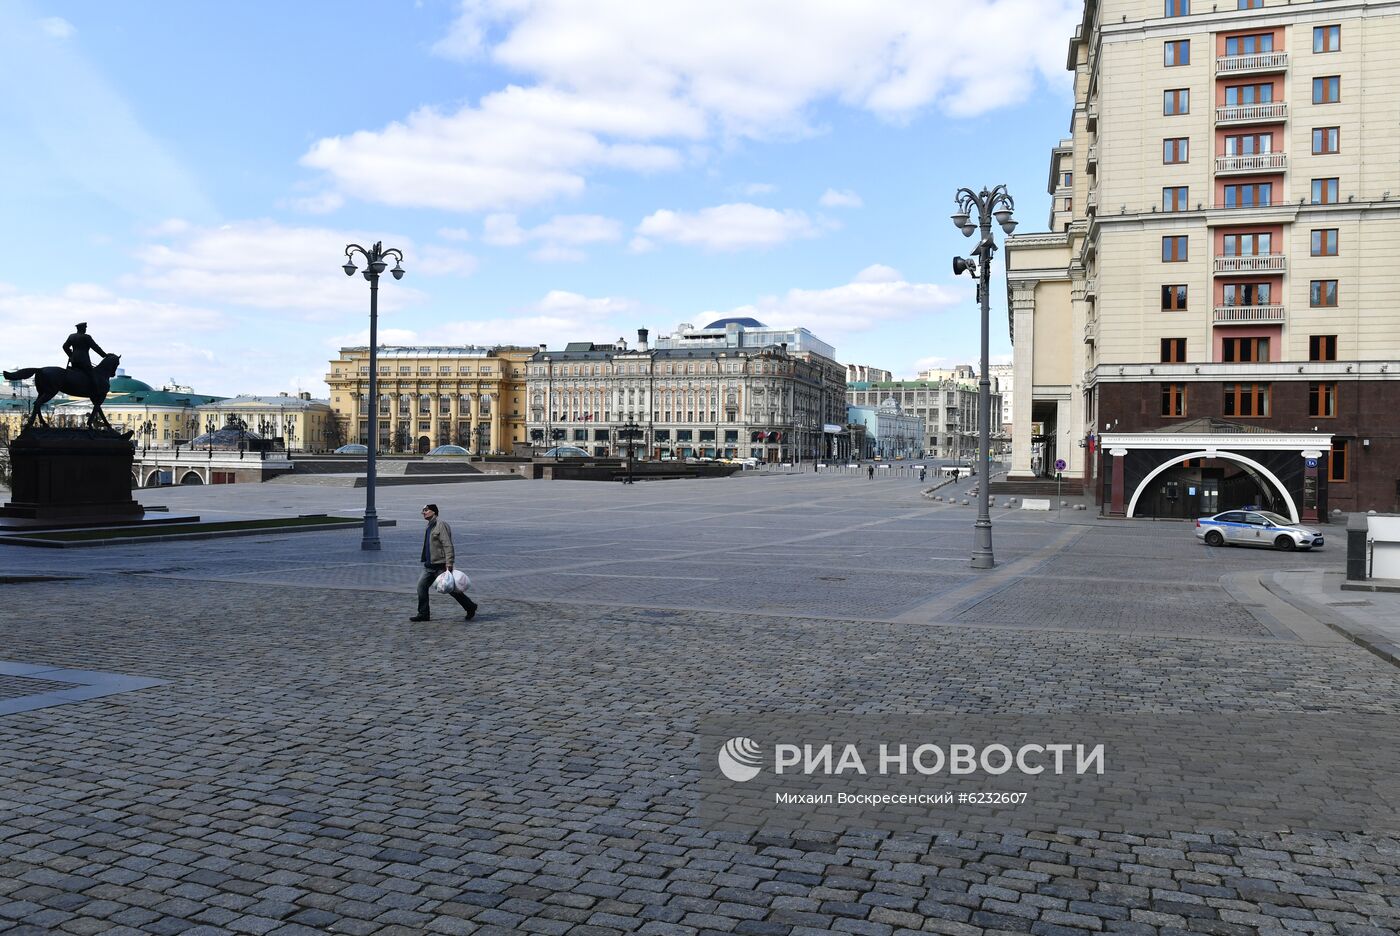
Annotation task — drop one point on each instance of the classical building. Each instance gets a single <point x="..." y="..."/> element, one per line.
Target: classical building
<point x="295" y="423"/>
<point x="732" y="389"/>
<point x="947" y="409"/>
<point x="1004" y="379"/>
<point x="890" y="432"/>
<point x="431" y="396"/>
<point x="1210" y="320"/>
<point x="160" y="418"/>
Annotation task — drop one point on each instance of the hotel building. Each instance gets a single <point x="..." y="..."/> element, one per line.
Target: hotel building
<point x="1210" y="321"/>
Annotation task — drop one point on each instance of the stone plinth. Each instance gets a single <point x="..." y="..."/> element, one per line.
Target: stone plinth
<point x="71" y="475"/>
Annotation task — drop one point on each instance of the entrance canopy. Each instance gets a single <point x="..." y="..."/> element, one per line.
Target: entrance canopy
<point x="1289" y="464"/>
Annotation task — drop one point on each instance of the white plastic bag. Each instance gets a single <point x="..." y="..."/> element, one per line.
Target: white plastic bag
<point x="454" y="581"/>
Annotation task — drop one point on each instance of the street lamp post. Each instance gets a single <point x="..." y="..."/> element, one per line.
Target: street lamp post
<point x="374" y="266"/>
<point x="988" y="204"/>
<point x="481" y="431"/>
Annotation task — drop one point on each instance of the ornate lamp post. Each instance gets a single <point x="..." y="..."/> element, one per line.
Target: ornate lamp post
<point x="481" y="431"/>
<point x="997" y="204"/>
<point x="289" y="433"/>
<point x="375" y="265"/>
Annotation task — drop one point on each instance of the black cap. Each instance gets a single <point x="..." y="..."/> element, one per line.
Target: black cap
<point x="432" y="507"/>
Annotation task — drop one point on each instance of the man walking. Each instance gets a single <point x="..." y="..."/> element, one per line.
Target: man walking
<point x="437" y="558"/>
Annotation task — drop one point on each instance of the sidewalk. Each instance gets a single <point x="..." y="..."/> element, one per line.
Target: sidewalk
<point x="1370" y="619"/>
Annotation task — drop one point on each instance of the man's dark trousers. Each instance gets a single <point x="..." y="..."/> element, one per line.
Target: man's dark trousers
<point x="425" y="582"/>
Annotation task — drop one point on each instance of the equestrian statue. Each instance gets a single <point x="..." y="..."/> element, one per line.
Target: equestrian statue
<point x="79" y="379"/>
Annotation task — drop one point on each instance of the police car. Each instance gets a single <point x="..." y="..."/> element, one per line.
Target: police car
<point x="1255" y="528"/>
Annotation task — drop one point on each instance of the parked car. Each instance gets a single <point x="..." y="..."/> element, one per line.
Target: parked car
<point x="1256" y="528"/>
<point x="354" y="448"/>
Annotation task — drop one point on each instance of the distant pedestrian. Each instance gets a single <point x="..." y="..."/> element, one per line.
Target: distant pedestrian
<point x="955" y="476"/>
<point x="870" y="472"/>
<point x="437" y="558"/>
<point x="923" y="474"/>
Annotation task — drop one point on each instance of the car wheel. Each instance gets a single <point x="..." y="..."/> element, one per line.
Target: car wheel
<point x="1213" y="538"/>
<point x="1285" y="543"/>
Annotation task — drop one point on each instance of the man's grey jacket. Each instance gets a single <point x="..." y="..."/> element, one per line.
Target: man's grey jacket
<point x="440" y="543"/>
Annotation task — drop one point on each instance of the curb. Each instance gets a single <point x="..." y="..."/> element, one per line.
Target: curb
<point x="1376" y="644"/>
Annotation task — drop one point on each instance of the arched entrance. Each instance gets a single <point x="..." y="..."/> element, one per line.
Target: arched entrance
<point x="425" y="445"/>
<point x="1271" y="489"/>
<point x="191" y="477"/>
<point x="153" y="479"/>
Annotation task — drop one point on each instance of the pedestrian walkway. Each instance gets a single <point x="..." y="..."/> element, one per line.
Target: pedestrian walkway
<point x="299" y="759"/>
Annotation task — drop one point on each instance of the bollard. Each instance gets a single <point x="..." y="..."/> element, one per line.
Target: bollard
<point x="1357" y="526"/>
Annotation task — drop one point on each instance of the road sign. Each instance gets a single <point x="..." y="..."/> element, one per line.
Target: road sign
<point x="1060" y="464"/>
<point x="1311" y="463"/>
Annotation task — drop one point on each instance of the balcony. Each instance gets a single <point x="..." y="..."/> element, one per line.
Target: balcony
<point x="1261" y="263"/>
<point x="1093" y="156"/>
<point x="1250" y="164"/>
<point x="1249" y="315"/>
<point x="1272" y="112"/>
<point x="1092" y="206"/>
<point x="1091" y="288"/>
<point x="1091" y="330"/>
<point x="1257" y="63"/>
<point x="1091" y="117"/>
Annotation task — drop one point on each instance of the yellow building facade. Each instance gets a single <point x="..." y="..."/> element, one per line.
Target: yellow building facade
<point x="433" y="395"/>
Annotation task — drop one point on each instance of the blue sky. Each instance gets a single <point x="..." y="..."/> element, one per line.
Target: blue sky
<point x="185" y="176"/>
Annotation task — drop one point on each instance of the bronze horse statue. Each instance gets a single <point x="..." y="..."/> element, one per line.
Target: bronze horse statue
<point x="51" y="381"/>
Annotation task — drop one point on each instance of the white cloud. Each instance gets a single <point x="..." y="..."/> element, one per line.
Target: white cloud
<point x="876" y="296"/>
<point x="444" y="261"/>
<point x="384" y="336"/>
<point x="758" y="188"/>
<point x="842" y="198"/>
<point x="56" y="27"/>
<point x="266" y="265"/>
<point x="557" y="239"/>
<point x="454" y="234"/>
<point x="737" y="226"/>
<point x="617" y="84"/>
<point x="321" y="203"/>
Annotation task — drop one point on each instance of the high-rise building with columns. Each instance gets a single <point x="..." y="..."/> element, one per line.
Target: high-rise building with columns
<point x="431" y="396"/>
<point x="1210" y="321"/>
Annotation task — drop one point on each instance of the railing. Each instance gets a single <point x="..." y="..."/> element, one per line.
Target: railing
<point x="1259" y="61"/>
<point x="1259" y="263"/>
<point x="1254" y="162"/>
<point x="1093" y="154"/>
<point x="1248" y="113"/>
<point x="1091" y="330"/>
<point x="1248" y="315"/>
<point x="1092" y="206"/>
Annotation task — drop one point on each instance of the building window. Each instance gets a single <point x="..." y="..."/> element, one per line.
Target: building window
<point x="1177" y="8"/>
<point x="1251" y="44"/>
<point x="1322" y="294"/>
<point x="1173" y="298"/>
<point x="1174" y="400"/>
<point x="1244" y="350"/>
<point x="1247" y="245"/>
<point x="1250" y="5"/>
<point x="1176" y="52"/>
<point x="1327" y="90"/>
<point x="1246" y="294"/>
<point x="1322" y="347"/>
<point x="1337" y="461"/>
<point x="1174" y="198"/>
<point x="1326" y="141"/>
<point x="1249" y="195"/>
<point x="1249" y="94"/>
<point x="1247" y="399"/>
<point x="1175" y="150"/>
<point x="1322" y="400"/>
<point x="1173" y="350"/>
<point x="1324" y="191"/>
<point x="1324" y="242"/>
<point x="1249" y="144"/>
<point x="1176" y="101"/>
<point x="1327" y="38"/>
<point x="1174" y="249"/>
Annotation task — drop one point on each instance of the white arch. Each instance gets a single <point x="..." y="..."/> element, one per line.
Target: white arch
<point x="155" y="474"/>
<point x="1176" y="459"/>
<point x="193" y="471"/>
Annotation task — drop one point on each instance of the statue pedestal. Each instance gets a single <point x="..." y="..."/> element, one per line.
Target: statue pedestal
<point x="74" y="476"/>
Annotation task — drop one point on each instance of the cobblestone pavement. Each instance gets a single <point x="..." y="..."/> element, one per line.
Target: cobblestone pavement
<point x="313" y="763"/>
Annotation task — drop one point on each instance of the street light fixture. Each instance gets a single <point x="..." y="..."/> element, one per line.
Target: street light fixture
<point x="375" y="265"/>
<point x="629" y="431"/>
<point x="995" y="203"/>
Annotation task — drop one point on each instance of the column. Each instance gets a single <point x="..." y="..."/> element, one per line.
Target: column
<point x="1023" y="377"/>
<point x="433" y="419"/>
<point x="454" y="407"/>
<point x="1119" y="500"/>
<point x="1066" y="447"/>
<point x="393" y="418"/>
<point x="476" y="421"/>
<point x="495" y="421"/>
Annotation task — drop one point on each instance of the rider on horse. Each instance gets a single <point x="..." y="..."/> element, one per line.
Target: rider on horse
<point x="77" y="347"/>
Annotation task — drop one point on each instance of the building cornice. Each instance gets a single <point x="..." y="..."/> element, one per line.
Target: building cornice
<point x="1225" y="20"/>
<point x="1215" y="441"/>
<point x="1340" y="371"/>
